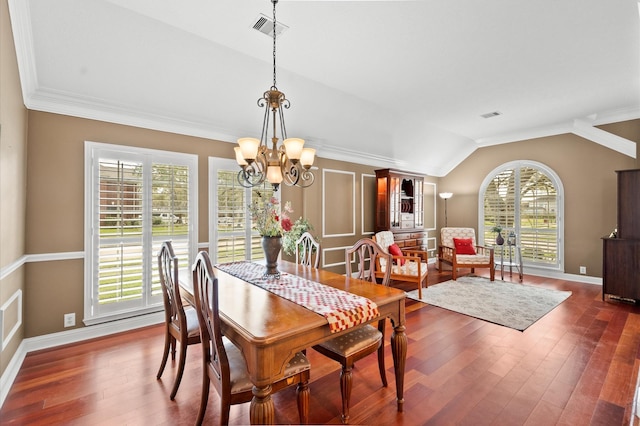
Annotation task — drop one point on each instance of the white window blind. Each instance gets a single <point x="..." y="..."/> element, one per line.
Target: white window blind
<point x="523" y="197"/>
<point x="136" y="199"/>
<point x="233" y="237"/>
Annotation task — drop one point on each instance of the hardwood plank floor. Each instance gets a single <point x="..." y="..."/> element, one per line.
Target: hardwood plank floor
<point x="576" y="366"/>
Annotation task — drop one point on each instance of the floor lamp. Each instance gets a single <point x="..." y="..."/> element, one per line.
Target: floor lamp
<point x="445" y="196"/>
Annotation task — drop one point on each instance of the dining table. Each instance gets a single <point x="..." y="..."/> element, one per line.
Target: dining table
<point x="270" y="330"/>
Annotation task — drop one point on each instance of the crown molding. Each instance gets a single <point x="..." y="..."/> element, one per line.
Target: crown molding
<point x="20" y="16"/>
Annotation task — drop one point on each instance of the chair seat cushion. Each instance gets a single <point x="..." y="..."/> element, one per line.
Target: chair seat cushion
<point x="193" y="328"/>
<point x="410" y="268"/>
<point x="478" y="259"/>
<point x="240" y="381"/>
<point x="354" y="341"/>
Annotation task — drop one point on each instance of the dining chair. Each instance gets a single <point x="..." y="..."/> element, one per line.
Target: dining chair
<point x="362" y="341"/>
<point x="181" y="323"/>
<point x="307" y="250"/>
<point x="224" y="364"/>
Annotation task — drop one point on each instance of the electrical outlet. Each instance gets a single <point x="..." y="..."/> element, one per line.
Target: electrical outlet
<point x="70" y="320"/>
<point x="583" y="270"/>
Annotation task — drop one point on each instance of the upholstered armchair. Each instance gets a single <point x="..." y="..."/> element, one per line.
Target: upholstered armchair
<point x="458" y="248"/>
<point x="408" y="265"/>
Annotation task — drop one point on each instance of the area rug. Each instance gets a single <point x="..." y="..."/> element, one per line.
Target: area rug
<point x="509" y="304"/>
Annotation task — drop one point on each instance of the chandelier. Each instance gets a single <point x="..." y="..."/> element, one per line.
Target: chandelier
<point x="290" y="162"/>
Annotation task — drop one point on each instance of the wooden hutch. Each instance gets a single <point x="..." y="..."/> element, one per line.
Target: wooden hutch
<point x="400" y="207"/>
<point x="621" y="255"/>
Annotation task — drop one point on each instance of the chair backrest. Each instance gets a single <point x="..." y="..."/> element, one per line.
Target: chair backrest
<point x="205" y="288"/>
<point x="307" y="250"/>
<point x="168" y="271"/>
<point x="367" y="253"/>
<point x="448" y="234"/>
<point x="384" y="240"/>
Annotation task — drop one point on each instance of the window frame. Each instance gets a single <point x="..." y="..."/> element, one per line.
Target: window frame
<point x="555" y="179"/>
<point x="94" y="152"/>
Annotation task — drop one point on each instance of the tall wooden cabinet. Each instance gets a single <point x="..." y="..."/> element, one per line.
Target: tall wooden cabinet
<point x="621" y="255"/>
<point x="400" y="207"/>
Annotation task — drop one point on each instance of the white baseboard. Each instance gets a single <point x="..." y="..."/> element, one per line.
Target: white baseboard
<point x="64" y="338"/>
<point x="11" y="372"/>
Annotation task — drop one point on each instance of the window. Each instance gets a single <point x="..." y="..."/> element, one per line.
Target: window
<point x="525" y="197"/>
<point x="232" y="235"/>
<point x="135" y="199"/>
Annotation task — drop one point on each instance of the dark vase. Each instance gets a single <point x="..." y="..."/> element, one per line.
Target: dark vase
<point x="499" y="239"/>
<point x="271" y="247"/>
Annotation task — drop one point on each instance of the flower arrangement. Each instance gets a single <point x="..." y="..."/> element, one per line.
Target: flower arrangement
<point x="300" y="226"/>
<point x="268" y="218"/>
<point x="497" y="229"/>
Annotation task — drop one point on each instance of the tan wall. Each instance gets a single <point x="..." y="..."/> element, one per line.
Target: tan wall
<point x="55" y="215"/>
<point x="587" y="172"/>
<point x="13" y="145"/>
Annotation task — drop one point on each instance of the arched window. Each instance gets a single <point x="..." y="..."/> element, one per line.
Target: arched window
<point x="525" y="197"/>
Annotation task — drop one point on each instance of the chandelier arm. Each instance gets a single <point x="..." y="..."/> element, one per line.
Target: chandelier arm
<point x="283" y="128"/>
<point x="251" y="175"/>
<point x="265" y="120"/>
<point x="307" y="178"/>
<point x="290" y="173"/>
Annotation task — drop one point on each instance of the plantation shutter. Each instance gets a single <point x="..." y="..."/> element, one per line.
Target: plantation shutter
<point x="234" y="238"/>
<point x="538" y="219"/>
<point x="523" y="199"/>
<point x="499" y="202"/>
<point x="120" y="238"/>
<point x="138" y="199"/>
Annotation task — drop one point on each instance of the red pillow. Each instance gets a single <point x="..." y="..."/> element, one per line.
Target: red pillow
<point x="464" y="246"/>
<point x="394" y="250"/>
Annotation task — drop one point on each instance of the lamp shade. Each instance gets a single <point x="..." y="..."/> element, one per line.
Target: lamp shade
<point x="249" y="148"/>
<point x="293" y="148"/>
<point x="307" y="157"/>
<point x="445" y="195"/>
<point x="274" y="174"/>
<point x="239" y="158"/>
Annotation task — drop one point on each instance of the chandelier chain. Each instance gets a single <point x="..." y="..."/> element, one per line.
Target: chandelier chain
<point x="274" y="42"/>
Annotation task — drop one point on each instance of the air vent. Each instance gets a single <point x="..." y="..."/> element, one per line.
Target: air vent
<point x="264" y="24"/>
<point x="491" y="114"/>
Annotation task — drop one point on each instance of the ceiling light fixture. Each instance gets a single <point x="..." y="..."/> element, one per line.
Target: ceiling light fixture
<point x="290" y="162"/>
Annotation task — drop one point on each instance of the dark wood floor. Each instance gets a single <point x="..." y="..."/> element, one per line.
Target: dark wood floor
<point x="576" y="366"/>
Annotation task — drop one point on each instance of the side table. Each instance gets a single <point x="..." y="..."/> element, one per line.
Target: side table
<point x="509" y="255"/>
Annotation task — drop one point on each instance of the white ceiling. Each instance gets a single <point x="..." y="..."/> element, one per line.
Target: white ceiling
<point x="386" y="83"/>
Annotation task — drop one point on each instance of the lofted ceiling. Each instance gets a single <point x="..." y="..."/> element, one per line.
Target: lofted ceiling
<point x="387" y="83"/>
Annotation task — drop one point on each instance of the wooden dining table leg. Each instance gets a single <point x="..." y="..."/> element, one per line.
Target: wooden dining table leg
<point x="262" y="410"/>
<point x="399" y="351"/>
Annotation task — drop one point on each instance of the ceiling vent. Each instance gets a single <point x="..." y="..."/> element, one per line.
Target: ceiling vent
<point x="264" y="24"/>
<point x="491" y="114"/>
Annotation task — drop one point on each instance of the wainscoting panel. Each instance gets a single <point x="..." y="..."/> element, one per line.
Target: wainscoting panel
<point x="10" y="317"/>
<point x="339" y="203"/>
<point x="333" y="256"/>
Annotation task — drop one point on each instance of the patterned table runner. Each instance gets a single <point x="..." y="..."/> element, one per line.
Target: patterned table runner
<point x="341" y="308"/>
